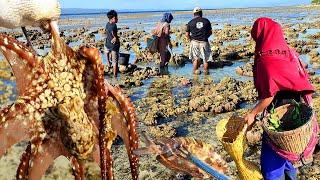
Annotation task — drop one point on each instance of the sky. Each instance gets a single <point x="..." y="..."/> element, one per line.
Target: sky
<point x="174" y="4"/>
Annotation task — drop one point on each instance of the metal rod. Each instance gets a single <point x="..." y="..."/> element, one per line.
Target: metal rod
<point x="207" y="168"/>
<point x="24" y="30"/>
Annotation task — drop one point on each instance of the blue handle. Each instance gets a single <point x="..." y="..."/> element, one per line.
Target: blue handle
<point x="207" y="168"/>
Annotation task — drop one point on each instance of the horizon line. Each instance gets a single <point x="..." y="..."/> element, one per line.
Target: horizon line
<point x="192" y="9"/>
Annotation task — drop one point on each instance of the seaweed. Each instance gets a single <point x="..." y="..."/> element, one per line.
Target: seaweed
<point x="274" y="120"/>
<point x="297" y="121"/>
<point x="291" y="120"/>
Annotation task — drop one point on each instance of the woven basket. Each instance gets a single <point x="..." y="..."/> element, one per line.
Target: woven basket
<point x="234" y="142"/>
<point x="295" y="140"/>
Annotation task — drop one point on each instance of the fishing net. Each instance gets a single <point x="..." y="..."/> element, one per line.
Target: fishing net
<point x="231" y="133"/>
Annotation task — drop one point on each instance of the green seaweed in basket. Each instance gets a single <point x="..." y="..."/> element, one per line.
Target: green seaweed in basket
<point x="292" y="119"/>
<point x="274" y="121"/>
<point x="296" y="119"/>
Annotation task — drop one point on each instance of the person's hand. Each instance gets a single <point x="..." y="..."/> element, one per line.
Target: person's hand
<point x="250" y="118"/>
<point x="114" y="40"/>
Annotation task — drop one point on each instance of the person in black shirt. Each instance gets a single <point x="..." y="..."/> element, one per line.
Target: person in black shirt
<point x="112" y="40"/>
<point x="198" y="31"/>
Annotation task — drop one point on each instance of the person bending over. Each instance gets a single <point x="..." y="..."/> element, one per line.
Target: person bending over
<point x="279" y="77"/>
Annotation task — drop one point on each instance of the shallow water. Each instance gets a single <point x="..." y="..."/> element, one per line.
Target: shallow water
<point x="150" y="168"/>
<point x="233" y="16"/>
<point x="146" y="21"/>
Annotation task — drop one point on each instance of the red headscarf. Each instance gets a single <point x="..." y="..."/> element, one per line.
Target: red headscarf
<point x="276" y="66"/>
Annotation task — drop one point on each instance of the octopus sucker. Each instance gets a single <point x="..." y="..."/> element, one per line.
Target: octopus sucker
<point x="16" y="46"/>
<point x="64" y="107"/>
<point x="3" y="48"/>
<point x="5" y="41"/>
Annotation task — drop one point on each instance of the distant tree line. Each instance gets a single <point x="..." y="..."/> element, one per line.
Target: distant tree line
<point x="315" y="1"/>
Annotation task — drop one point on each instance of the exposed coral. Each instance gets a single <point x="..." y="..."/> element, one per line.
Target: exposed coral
<point x="225" y="96"/>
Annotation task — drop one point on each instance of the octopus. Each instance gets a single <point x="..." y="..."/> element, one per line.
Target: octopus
<point x="64" y="108"/>
<point x="171" y="152"/>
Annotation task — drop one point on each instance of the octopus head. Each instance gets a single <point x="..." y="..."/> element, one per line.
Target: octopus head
<point x="77" y="132"/>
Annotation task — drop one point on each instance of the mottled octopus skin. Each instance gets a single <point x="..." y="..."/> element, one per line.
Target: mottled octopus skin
<point x="45" y="112"/>
<point x="168" y="154"/>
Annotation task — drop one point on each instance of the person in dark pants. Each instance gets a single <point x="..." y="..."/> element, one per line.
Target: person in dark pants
<point x="279" y="77"/>
<point x="198" y="31"/>
<point x="162" y="30"/>
<point x="112" y="40"/>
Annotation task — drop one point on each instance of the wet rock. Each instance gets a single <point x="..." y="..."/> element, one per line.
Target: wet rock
<point x="225" y="96"/>
<point x="219" y="64"/>
<point x="5" y="71"/>
<point x="314" y="36"/>
<point x="4" y="74"/>
<point x="122" y="68"/>
<point x="135" y="75"/>
<point x="174" y="43"/>
<point x="161" y="104"/>
<point x="245" y="70"/>
<point x="179" y="60"/>
<point x="254" y="135"/>
<point x="102" y="31"/>
<point x="7" y="93"/>
<point x="162" y="131"/>
<point x="144" y="56"/>
<point x="129" y="69"/>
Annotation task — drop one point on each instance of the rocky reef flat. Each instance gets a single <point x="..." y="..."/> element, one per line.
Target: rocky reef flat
<point x="177" y="103"/>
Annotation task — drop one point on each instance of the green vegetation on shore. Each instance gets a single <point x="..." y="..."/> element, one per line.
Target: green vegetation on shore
<point x="315" y="1"/>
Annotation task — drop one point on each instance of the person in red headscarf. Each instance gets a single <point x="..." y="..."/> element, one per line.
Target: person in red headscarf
<point x="278" y="76"/>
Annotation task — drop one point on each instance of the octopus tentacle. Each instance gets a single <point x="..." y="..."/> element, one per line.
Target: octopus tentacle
<point x="92" y="54"/>
<point x="22" y="171"/>
<point x="11" y="120"/>
<point x="105" y="157"/>
<point x="77" y="168"/>
<point x="105" y="137"/>
<point x="171" y="152"/>
<point x="22" y="60"/>
<point x="126" y="127"/>
<point x="8" y="43"/>
<point x="179" y="164"/>
<point x="57" y="44"/>
<point x="43" y="156"/>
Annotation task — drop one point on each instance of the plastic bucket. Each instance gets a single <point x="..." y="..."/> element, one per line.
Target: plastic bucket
<point x="124" y="59"/>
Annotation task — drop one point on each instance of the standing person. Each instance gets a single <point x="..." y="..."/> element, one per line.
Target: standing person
<point x="162" y="30"/>
<point x="278" y="77"/>
<point x="106" y="52"/>
<point x="112" y="40"/>
<point x="198" y="31"/>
